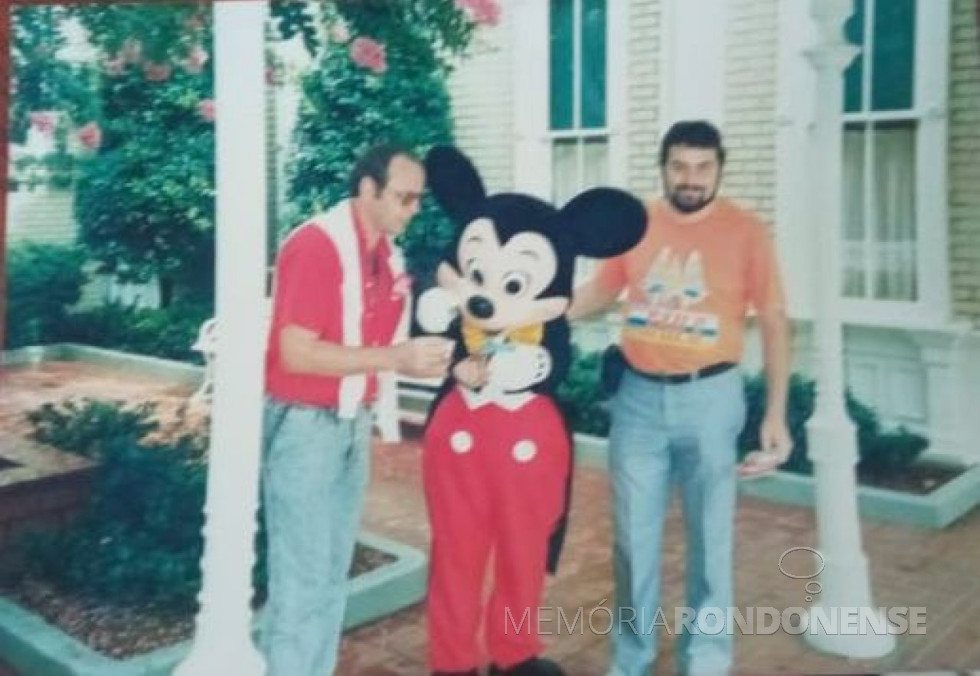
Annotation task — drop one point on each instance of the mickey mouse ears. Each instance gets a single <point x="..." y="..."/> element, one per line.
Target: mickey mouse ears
<point x="454" y="182"/>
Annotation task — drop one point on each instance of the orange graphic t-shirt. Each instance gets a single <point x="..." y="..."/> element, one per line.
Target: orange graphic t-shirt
<point x="689" y="285"/>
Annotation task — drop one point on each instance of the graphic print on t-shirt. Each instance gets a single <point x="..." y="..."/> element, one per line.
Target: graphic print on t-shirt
<point x="672" y="289"/>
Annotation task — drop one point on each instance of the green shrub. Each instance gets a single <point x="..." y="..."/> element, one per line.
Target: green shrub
<point x="82" y="427"/>
<point x="580" y="398"/>
<point x="799" y="407"/>
<point x="43" y="281"/>
<point x="879" y="451"/>
<point x="139" y="537"/>
<point x="165" y="332"/>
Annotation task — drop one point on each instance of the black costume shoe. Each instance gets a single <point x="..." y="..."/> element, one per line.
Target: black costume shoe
<point x="536" y="666"/>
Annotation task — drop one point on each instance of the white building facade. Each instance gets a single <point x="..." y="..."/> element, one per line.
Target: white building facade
<point x="565" y="94"/>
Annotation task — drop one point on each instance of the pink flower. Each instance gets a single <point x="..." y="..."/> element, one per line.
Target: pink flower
<point x="43" y="121"/>
<point x="132" y="51"/>
<point x="484" y="12"/>
<point x="114" y="67"/>
<point x="206" y="109"/>
<point x="90" y="136"/>
<point x="272" y="76"/>
<point x="194" y="63"/>
<point x="402" y="285"/>
<point x="157" y="72"/>
<point x="368" y="53"/>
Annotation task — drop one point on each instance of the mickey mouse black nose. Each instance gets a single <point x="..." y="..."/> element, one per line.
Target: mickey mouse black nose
<point x="480" y="307"/>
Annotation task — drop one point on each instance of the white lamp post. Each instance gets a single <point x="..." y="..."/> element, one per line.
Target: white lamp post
<point x="222" y="643"/>
<point x="832" y="439"/>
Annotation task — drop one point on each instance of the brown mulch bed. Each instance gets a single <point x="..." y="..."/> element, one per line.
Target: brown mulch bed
<point x="125" y="631"/>
<point x="918" y="479"/>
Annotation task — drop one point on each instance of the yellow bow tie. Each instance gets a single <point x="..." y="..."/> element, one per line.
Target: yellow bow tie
<point x="478" y="341"/>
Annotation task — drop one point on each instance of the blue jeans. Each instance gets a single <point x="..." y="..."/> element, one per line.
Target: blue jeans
<point x="314" y="474"/>
<point x="665" y="434"/>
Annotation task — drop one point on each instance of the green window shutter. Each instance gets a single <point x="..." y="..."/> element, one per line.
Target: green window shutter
<point x="593" y="110"/>
<point x="562" y="66"/>
<point x="854" y="75"/>
<point x="893" y="57"/>
<point x="893" y="75"/>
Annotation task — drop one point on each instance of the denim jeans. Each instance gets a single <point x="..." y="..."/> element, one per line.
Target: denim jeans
<point x="662" y="435"/>
<point x="314" y="475"/>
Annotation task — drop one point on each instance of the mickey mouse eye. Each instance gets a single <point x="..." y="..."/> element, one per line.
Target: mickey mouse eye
<point x="474" y="273"/>
<point x="515" y="283"/>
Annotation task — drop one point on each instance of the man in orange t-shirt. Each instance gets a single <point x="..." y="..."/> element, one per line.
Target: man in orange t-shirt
<point x="680" y="407"/>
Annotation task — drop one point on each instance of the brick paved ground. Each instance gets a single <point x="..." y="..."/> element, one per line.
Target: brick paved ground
<point x="910" y="567"/>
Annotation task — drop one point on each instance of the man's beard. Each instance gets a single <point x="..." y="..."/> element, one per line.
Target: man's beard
<point x="689" y="200"/>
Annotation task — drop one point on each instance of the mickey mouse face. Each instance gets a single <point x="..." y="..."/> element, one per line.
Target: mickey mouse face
<point x="500" y="286"/>
<point x="515" y="254"/>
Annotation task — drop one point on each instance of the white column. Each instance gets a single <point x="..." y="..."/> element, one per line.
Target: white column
<point x="222" y="642"/>
<point x="532" y="147"/>
<point x="831" y="435"/>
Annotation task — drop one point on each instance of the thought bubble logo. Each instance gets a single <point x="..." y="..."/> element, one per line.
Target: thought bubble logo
<point x="813" y="587"/>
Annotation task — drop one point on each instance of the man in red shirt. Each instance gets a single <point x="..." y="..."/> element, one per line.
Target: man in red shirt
<point x="340" y="303"/>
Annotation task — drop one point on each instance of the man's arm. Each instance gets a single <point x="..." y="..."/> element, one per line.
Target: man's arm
<point x="769" y="302"/>
<point x="303" y="352"/>
<point x="589" y="299"/>
<point x="776" y="353"/>
<point x="775" y="441"/>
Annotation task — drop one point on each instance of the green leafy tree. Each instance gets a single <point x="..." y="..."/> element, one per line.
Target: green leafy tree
<point x="40" y="80"/>
<point x="145" y="199"/>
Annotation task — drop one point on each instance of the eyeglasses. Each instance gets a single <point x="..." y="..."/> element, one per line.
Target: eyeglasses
<point x="406" y="198"/>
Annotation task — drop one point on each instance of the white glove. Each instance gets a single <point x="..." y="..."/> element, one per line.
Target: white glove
<point x="437" y="308"/>
<point x="518" y="368"/>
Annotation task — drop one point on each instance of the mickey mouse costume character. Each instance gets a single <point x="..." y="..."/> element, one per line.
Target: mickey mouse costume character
<point x="497" y="457"/>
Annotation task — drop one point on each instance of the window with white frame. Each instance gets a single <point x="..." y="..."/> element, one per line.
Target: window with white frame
<point x="577" y="116"/>
<point x="887" y="208"/>
<point x="577" y="104"/>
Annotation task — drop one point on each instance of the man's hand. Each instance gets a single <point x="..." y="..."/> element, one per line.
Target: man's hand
<point x="472" y="372"/>
<point x="775" y="443"/>
<point x="425" y="357"/>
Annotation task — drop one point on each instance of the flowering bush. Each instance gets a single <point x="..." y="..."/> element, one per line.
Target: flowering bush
<point x="486" y="12"/>
<point x="349" y="105"/>
<point x="90" y="136"/>
<point x="369" y="54"/>
<point x="145" y="199"/>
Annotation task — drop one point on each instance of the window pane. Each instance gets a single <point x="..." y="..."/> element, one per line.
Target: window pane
<point x="894" y="201"/>
<point x="562" y="64"/>
<point x="854" y="246"/>
<point x="880" y="261"/>
<point x="893" y="73"/>
<point x="854" y="33"/>
<point x="564" y="170"/>
<point x="596" y="159"/>
<point x="593" y="63"/>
